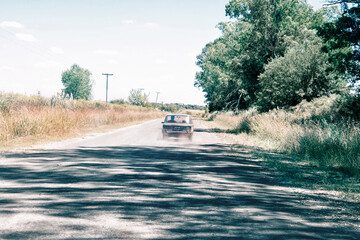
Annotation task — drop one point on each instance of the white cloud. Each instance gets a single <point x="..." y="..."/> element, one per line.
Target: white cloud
<point x="6" y="68"/>
<point x="128" y="21"/>
<point x="192" y="54"/>
<point x="56" y="50"/>
<point x="161" y="61"/>
<point x="113" y="62"/>
<point x="26" y="37"/>
<point x="151" y="25"/>
<point x="107" y="52"/>
<point x="11" y="24"/>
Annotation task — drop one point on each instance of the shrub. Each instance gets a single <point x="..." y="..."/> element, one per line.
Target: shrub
<point x="245" y="121"/>
<point x="118" y="101"/>
<point x="299" y="74"/>
<point x="169" y="108"/>
<point x="349" y="106"/>
<point x="307" y="130"/>
<point x="319" y="106"/>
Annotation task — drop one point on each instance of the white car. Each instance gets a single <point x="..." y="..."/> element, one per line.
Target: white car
<point x="177" y="125"/>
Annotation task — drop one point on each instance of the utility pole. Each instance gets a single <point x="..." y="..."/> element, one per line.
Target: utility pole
<point x="157" y="94"/>
<point x="107" y="76"/>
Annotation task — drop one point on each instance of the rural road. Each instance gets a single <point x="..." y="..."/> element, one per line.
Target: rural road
<point x="130" y="184"/>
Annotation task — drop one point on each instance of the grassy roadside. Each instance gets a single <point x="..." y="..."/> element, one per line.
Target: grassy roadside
<point x="297" y="150"/>
<point x="326" y="186"/>
<point x="25" y="121"/>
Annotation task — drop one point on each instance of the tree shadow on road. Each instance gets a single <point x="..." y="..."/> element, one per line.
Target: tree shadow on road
<point x="142" y="192"/>
<point x="210" y="130"/>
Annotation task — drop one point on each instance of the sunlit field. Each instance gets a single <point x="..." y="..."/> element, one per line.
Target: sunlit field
<point x="26" y="120"/>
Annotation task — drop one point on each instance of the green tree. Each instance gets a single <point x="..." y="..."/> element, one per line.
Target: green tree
<point x="262" y="30"/>
<point x="342" y="37"/>
<point x="276" y="25"/>
<point x="138" y="98"/>
<point x="300" y="74"/>
<point x="77" y="82"/>
<point x="215" y="62"/>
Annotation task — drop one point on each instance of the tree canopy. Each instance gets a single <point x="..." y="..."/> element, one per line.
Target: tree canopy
<point x="299" y="74"/>
<point x="269" y="51"/>
<point x="138" y="98"/>
<point x="77" y="82"/>
<point x="342" y="39"/>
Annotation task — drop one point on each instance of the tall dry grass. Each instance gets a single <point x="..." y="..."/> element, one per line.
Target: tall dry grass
<point x="310" y="129"/>
<point x="37" y="117"/>
<point x="332" y="145"/>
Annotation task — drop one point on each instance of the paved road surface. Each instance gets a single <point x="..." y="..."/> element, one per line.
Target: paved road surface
<point x="130" y="184"/>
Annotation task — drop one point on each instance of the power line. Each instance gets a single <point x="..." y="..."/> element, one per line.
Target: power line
<point x="107" y="77"/>
<point x="33" y="47"/>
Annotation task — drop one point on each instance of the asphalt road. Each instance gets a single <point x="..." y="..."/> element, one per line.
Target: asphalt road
<point x="130" y="184"/>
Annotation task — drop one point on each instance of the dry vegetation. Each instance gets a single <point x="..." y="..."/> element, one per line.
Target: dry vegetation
<point x="309" y="148"/>
<point x="310" y="130"/>
<point x="26" y="120"/>
<point x="193" y="112"/>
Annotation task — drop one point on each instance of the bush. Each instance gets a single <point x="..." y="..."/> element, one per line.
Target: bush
<point x="212" y="117"/>
<point x="319" y="106"/>
<point x="118" y="101"/>
<point x="6" y="103"/>
<point x="12" y="102"/>
<point x="307" y="130"/>
<point x="169" y="108"/>
<point x="300" y="74"/>
<point x="138" y="98"/>
<point x="349" y="106"/>
<point x="245" y="121"/>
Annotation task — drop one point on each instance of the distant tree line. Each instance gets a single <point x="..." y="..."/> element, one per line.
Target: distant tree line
<point x="277" y="53"/>
<point x="78" y="85"/>
<point x="138" y="98"/>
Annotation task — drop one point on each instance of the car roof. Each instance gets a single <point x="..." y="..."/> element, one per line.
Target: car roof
<point x="185" y="115"/>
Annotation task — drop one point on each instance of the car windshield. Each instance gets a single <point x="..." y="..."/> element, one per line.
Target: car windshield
<point x="177" y="119"/>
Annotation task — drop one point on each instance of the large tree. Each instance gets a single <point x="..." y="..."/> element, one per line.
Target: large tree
<point x="342" y="37"/>
<point x="276" y="25"/>
<point x="77" y="82"/>
<point x="262" y="30"/>
<point x="215" y="62"/>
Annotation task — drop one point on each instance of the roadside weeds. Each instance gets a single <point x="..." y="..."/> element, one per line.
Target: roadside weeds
<point x="33" y="120"/>
<point x="324" y="184"/>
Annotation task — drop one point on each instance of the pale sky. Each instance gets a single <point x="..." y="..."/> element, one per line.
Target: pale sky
<point x="149" y="44"/>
